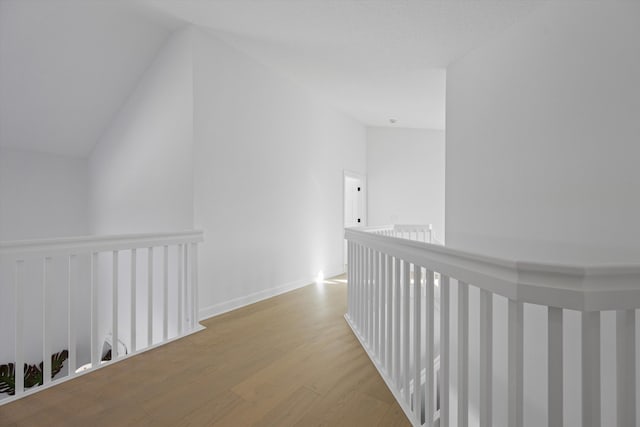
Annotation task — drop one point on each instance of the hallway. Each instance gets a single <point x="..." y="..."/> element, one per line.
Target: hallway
<point x="287" y="361"/>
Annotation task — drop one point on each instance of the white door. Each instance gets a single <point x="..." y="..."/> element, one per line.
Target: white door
<point x="354" y="203"/>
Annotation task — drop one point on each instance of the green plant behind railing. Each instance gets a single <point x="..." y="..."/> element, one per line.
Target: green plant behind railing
<point x="33" y="374"/>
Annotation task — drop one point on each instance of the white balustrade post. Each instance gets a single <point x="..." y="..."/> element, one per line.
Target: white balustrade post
<point x="406" y="362"/>
<point x="19" y="328"/>
<point x="114" y="306"/>
<point x="180" y="290"/>
<point x="626" y="367"/>
<point x="95" y="351"/>
<point x="515" y="363"/>
<point x="444" y="351"/>
<point x="429" y="350"/>
<point x="555" y="369"/>
<point x="417" y="345"/>
<point x="463" y="354"/>
<point x="591" y="369"/>
<point x="382" y="311"/>
<point x="376" y="304"/>
<point x="46" y="322"/>
<point x="397" y="289"/>
<point x="349" y="282"/>
<point x="360" y="303"/>
<point x="71" y="320"/>
<point x="188" y="287"/>
<point x="369" y="271"/>
<point x="165" y="294"/>
<point x="194" y="284"/>
<point x="133" y="315"/>
<point x="389" y="312"/>
<point x="486" y="358"/>
<point x="150" y="296"/>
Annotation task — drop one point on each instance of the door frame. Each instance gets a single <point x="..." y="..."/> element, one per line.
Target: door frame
<point x="363" y="180"/>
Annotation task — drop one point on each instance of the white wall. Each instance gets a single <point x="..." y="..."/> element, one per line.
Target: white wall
<point x="542" y="153"/>
<point x="269" y="163"/>
<point x="141" y="168"/>
<point x="142" y="174"/>
<point x="42" y="195"/>
<point x="542" y="131"/>
<point x="405" y="176"/>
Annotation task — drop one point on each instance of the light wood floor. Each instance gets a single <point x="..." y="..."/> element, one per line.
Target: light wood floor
<point x="287" y="361"/>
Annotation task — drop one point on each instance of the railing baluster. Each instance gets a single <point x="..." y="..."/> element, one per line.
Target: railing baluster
<point x="95" y="355"/>
<point x="429" y="353"/>
<point x="187" y="287"/>
<point x="591" y="369"/>
<point x="444" y="351"/>
<point x="71" y="321"/>
<point x="626" y="367"/>
<point x="383" y="310"/>
<point x="19" y="328"/>
<point x="360" y="300"/>
<point x="515" y="362"/>
<point x="417" y="345"/>
<point x="396" y="321"/>
<point x="463" y="354"/>
<point x="165" y="294"/>
<point x="46" y="323"/>
<point x="134" y="318"/>
<point x="389" y="312"/>
<point x="555" y="370"/>
<point x="354" y="270"/>
<point x="180" y="314"/>
<point x="150" y="296"/>
<point x="364" y="294"/>
<point x="56" y="266"/>
<point x="114" y="306"/>
<point x="349" y="282"/>
<point x="375" y="314"/>
<point x="486" y="358"/>
<point x="406" y="329"/>
<point x="369" y="271"/>
<point x="194" y="284"/>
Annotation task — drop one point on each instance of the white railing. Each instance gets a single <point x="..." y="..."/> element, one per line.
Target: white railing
<point x="420" y="233"/>
<point x="408" y="338"/>
<point x="86" y="295"/>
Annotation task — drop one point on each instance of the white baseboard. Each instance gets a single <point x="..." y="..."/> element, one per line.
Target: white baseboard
<point x="234" y="304"/>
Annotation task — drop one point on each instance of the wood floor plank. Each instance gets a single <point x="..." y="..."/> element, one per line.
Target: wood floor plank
<point x="287" y="361"/>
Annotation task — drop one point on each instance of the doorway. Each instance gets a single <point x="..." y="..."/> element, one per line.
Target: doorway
<point x="355" y="203"/>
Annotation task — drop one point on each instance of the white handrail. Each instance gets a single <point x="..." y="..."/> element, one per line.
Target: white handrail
<point x="99" y="243"/>
<point x="576" y="287"/>
<point x="399" y="285"/>
<point x="107" y="268"/>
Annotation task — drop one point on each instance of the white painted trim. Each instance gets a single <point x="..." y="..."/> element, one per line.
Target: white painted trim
<point x="576" y="287"/>
<point x="365" y="208"/>
<point x="243" y="301"/>
<point x="74" y="245"/>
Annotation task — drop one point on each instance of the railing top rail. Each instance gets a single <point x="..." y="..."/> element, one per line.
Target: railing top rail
<point x="395" y="227"/>
<point x="412" y="227"/>
<point x="99" y="243"/>
<point x="578" y="287"/>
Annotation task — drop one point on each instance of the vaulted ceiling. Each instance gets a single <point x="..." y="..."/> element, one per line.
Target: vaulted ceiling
<point x="67" y="66"/>
<point x="373" y="59"/>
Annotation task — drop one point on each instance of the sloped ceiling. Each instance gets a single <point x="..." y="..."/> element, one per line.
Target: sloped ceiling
<point x="67" y="66"/>
<point x="374" y="59"/>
